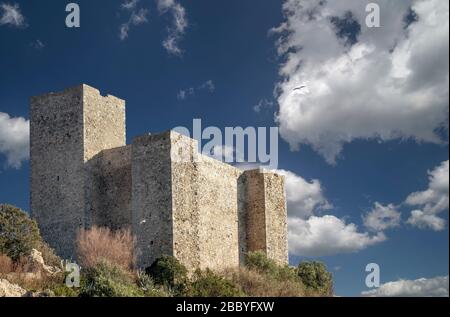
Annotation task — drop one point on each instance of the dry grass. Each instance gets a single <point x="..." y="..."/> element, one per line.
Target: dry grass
<point x="102" y="244"/>
<point x="6" y="264"/>
<point x="258" y="284"/>
<point x="27" y="275"/>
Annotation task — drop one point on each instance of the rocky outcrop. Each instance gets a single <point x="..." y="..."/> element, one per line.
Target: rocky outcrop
<point x="38" y="261"/>
<point x="8" y="289"/>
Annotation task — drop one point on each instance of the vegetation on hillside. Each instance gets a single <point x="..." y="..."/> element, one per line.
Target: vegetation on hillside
<point x="108" y="266"/>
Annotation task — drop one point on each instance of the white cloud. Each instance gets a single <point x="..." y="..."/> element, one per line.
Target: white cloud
<point x="303" y="198"/>
<point x="311" y="235"/>
<point x="179" y="25"/>
<point x="423" y="287"/>
<point x="136" y="18"/>
<point x="129" y="4"/>
<point x="391" y="84"/>
<point x="10" y="14"/>
<point x="422" y="220"/>
<point x="327" y="235"/>
<point x="431" y="201"/>
<point x="14" y="139"/>
<point x="223" y="153"/>
<point x="382" y="217"/>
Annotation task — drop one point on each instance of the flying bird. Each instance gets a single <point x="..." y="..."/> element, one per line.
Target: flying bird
<point x="299" y="87"/>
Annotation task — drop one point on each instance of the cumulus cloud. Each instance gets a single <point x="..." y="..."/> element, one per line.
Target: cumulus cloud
<point x="327" y="235"/>
<point x="304" y="198"/>
<point x="10" y="15"/>
<point x="367" y="83"/>
<point x="311" y="235"/>
<point x="178" y="27"/>
<point x="422" y="220"/>
<point x="136" y="18"/>
<point x="14" y="139"/>
<point x="431" y="201"/>
<point x="423" y="287"/>
<point x="382" y="217"/>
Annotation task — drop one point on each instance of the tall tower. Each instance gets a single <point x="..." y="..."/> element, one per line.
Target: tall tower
<point x="67" y="130"/>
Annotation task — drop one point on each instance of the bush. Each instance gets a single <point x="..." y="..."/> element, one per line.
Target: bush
<point x="314" y="275"/>
<point x="257" y="284"/>
<point x="108" y="280"/>
<point x="97" y="245"/>
<point x="18" y="233"/>
<point x="259" y="262"/>
<point x="146" y="284"/>
<point x="209" y="284"/>
<point x="168" y="271"/>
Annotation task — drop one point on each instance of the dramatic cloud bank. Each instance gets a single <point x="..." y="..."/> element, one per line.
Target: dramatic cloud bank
<point x="14" y="139"/>
<point x="343" y="81"/>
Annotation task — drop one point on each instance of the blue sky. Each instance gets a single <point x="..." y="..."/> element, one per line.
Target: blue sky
<point x="371" y="126"/>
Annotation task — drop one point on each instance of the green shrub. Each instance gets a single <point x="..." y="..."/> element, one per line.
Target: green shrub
<point x="18" y="233"/>
<point x="259" y="262"/>
<point x="61" y="290"/>
<point x="168" y="271"/>
<point x="146" y="284"/>
<point x="314" y="275"/>
<point x="108" y="280"/>
<point x="257" y="284"/>
<point x="209" y="284"/>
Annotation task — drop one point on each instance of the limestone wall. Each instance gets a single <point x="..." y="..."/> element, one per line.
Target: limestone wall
<point x="68" y="129"/>
<point x="57" y="166"/>
<point x="206" y="213"/>
<point x="151" y="202"/>
<point x="266" y="217"/>
<point x="108" y="189"/>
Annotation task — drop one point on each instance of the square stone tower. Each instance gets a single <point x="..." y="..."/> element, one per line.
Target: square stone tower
<point x="67" y="129"/>
<point x="176" y="201"/>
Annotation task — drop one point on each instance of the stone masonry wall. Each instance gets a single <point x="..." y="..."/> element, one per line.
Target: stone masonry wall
<point x="218" y="204"/>
<point x="266" y="214"/>
<point x="67" y="130"/>
<point x="108" y="189"/>
<point x="204" y="212"/>
<point x="151" y="202"/>
<point x="57" y="166"/>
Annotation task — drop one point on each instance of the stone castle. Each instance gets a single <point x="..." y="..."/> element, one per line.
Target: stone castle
<point x="202" y="211"/>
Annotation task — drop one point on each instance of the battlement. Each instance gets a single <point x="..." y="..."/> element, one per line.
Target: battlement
<point x="176" y="201"/>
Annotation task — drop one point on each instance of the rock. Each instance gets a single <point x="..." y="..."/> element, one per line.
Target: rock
<point x="8" y="289"/>
<point x="37" y="259"/>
